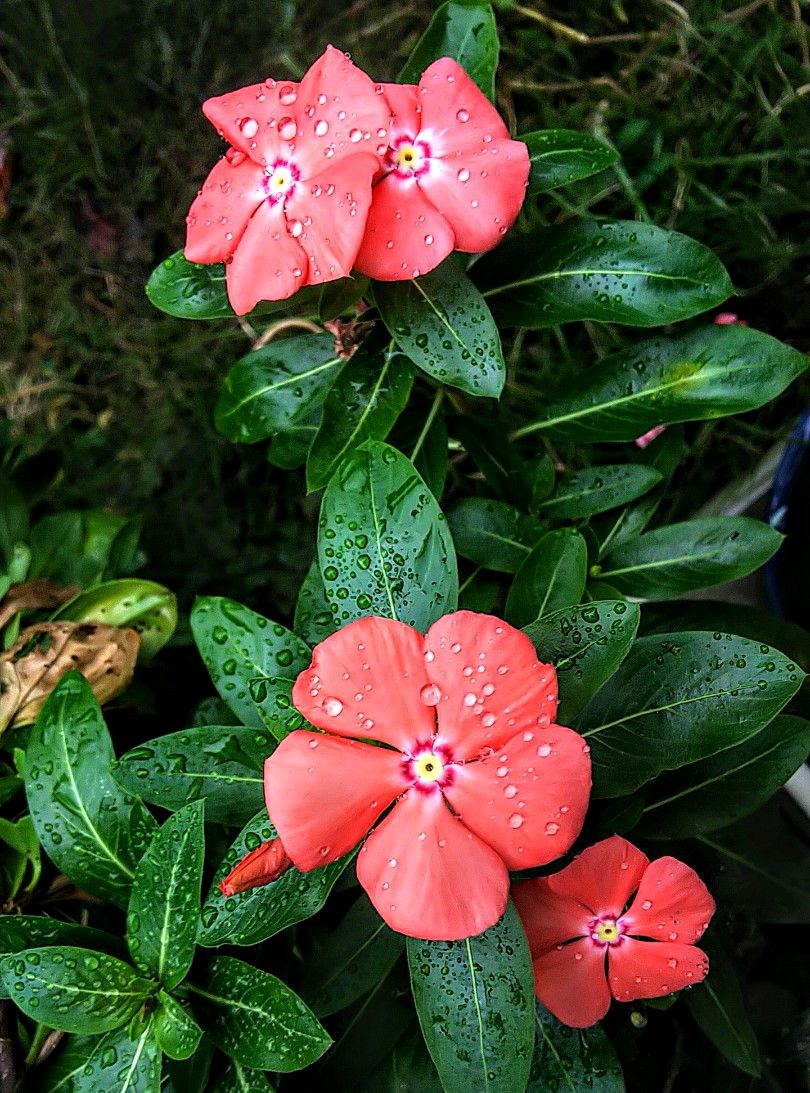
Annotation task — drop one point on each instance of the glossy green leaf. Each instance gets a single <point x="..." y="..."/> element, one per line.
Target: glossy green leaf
<point x="219" y="764"/>
<point x="313" y="616"/>
<point x="611" y="272"/>
<point x="126" y="1060"/>
<point x="679" y="698"/>
<point x="444" y="325"/>
<point x="77" y="990"/>
<point x="702" y="374"/>
<point x="597" y="489"/>
<point x="560" y="156"/>
<point x="570" y="1059"/>
<point x="276" y="386"/>
<point x="256" y="1019"/>
<point x="249" y="918"/>
<point x="253" y="662"/>
<point x="164" y="907"/>
<point x="586" y="644"/>
<point x="13" y="519"/>
<point x="724" y="788"/>
<point x="367" y="398"/>
<point x="89" y="826"/>
<point x="384" y="547"/>
<point x="431" y="457"/>
<point x="475" y="1001"/>
<point x="694" y="554"/>
<point x="147" y="607"/>
<point x="20" y="857"/>
<point x="19" y="932"/>
<point x="289" y="449"/>
<point x="239" y="1079"/>
<point x="406" y="1068"/>
<point x="177" y="1033"/>
<point x="465" y="31"/>
<point x="497" y="458"/>
<point x="492" y="534"/>
<point x="551" y="578"/>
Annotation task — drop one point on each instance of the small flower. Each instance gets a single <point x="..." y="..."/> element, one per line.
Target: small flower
<point x="261" y="866"/>
<point x="287" y="204"/>
<point x="463" y="746"/>
<point x="647" y="438"/>
<point x="612" y="923"/>
<point x="728" y="318"/>
<point x="454" y="180"/>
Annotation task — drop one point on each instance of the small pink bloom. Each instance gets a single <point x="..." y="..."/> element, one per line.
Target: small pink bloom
<point x="465" y="749"/>
<point x="612" y="923"/>
<point x="454" y="180"/>
<point x="261" y="866"/>
<point x="648" y="437"/>
<point x="287" y="204"/>
<point x="728" y="318"/>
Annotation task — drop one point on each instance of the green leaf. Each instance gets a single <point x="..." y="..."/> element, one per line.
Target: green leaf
<point x="384" y="547"/>
<point x="678" y="698"/>
<point x="431" y="457"/>
<point x="239" y="1079"/>
<point x="444" y="325"/>
<point x="560" y="156"/>
<point x="256" y="1019"/>
<point x="249" y="918"/>
<point x="551" y="578"/>
<point x="147" y="607"/>
<point x="611" y="272"/>
<point x="178" y="1034"/>
<point x="313" y="617"/>
<point x="703" y="374"/>
<point x="597" y="489"/>
<point x="465" y="31"/>
<point x="289" y="450"/>
<point x="694" y="554"/>
<point x="74" y="989"/>
<point x="219" y="764"/>
<point x="365" y="401"/>
<point x="126" y="1060"/>
<point x="13" y="519"/>
<point x="89" y="827"/>
<point x="253" y="662"/>
<point x="164" y="906"/>
<point x="498" y="460"/>
<point x="571" y="1059"/>
<point x="728" y="786"/>
<point x="56" y="545"/>
<point x="407" y="1068"/>
<point x="276" y="386"/>
<point x="19" y="932"/>
<point x="586" y="644"/>
<point x="492" y="534"/>
<point x="20" y="860"/>
<point x="475" y="1001"/>
<point x="350" y="959"/>
<point x="716" y="1006"/>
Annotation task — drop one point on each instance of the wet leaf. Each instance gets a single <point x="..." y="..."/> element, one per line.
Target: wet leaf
<point x="238" y="1079"/>
<point x="146" y="607"/>
<point x="126" y="1060"/>
<point x="18" y="932"/>
<point x="497" y="458"/>
<point x="572" y="1059"/>
<point x="492" y="534"/>
<point x="597" y="489"/>
<point x="313" y="617"/>
<point x="177" y="1033"/>
<point x="560" y="156"/>
<point x="407" y="1067"/>
<point x="551" y="577"/>
<point x="465" y="31"/>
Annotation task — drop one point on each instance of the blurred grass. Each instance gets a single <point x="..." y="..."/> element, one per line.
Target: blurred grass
<point x="708" y="104"/>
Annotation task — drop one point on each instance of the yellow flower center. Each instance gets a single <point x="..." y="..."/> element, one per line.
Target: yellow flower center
<point x="607" y="931"/>
<point x="408" y="157"/>
<point x="280" y="181"/>
<point x="428" y="767"/>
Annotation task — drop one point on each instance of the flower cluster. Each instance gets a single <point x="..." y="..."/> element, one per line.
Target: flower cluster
<point x="336" y="172"/>
<point x="441" y="754"/>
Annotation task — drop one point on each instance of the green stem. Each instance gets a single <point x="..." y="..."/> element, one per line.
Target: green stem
<point x="434" y="409"/>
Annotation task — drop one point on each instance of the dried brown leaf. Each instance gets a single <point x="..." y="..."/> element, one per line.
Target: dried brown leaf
<point x="33" y="596"/>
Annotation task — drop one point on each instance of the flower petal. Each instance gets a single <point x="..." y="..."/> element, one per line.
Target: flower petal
<point x="261" y="866"/>
<point x="323" y="794"/>
<point x="492" y="684"/>
<point x="548" y="918"/>
<point x="428" y="876"/>
<point x="264" y="264"/>
<point x="248" y="118"/>
<point x="570" y="981"/>
<point x="602" y="877"/>
<point x="672" y="903"/>
<point x="366" y="681"/>
<point x="405" y="234"/>
<point x="339" y="111"/>
<point x="220" y="213"/>
<point x="403" y="100"/>
<point x="480" y="193"/>
<point x="528" y="799"/>
<point x="651" y="969"/>
<point x="327" y="215"/>
<point x="456" y="115"/>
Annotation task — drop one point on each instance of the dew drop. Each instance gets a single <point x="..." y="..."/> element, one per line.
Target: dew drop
<point x="333" y="707"/>
<point x="509" y="791"/>
<point x="248" y="127"/>
<point x="515" y="820"/>
<point x="455" y="647"/>
<point x="287" y="128"/>
<point x="646" y="905"/>
<point x="463" y="175"/>
<point x="469" y="700"/>
<point x="430" y="694"/>
<point x="544" y="750"/>
<point x="321" y="128"/>
<point x="355" y="135"/>
<point x="463" y="115"/>
<point x="287" y="95"/>
<point x="552" y="829"/>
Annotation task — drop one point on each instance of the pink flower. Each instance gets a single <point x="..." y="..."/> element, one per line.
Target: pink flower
<point x="454" y="180"/>
<point x="648" y="437"/>
<point x="612" y="923"/>
<point x="287" y="204"/>
<point x="728" y="318"/>
<point x="261" y="866"/>
<point x="465" y="749"/>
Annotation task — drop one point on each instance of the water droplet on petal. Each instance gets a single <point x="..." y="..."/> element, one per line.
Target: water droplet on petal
<point x="552" y="829"/>
<point x="355" y="135"/>
<point x="287" y="95"/>
<point x="455" y="647"/>
<point x="295" y="227"/>
<point x="321" y="128"/>
<point x="463" y="115"/>
<point x="509" y="791"/>
<point x="515" y="820"/>
<point x="430" y="694"/>
<point x="646" y="905"/>
<point x="248" y="127"/>
<point x="333" y="707"/>
<point x="287" y="128"/>
<point x="544" y="750"/>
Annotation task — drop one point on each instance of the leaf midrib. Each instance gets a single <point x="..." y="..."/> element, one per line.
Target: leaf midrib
<point x="297" y="378"/>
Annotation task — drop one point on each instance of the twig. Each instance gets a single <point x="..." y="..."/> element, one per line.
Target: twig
<point x="284" y="324"/>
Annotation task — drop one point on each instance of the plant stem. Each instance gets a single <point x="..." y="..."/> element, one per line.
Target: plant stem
<point x="434" y="409"/>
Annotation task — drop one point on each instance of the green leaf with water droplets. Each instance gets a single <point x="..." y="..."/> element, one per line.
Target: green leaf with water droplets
<point x="19" y="932"/>
<point x="444" y="325"/>
<point x="253" y="662"/>
<point x="276" y="387"/>
<point x="164" y="906"/>
<point x="475" y="1001"/>
<point x="238" y="1079"/>
<point x="256" y="1019"/>
<point x="550" y="578"/>
<point x="560" y="156"/>
<point x="249" y="918"/>
<point x="89" y="826"/>
<point x="610" y="272"/>
<point x="572" y="1059"/>
<point x="313" y="617"/>
<point x="147" y="607"/>
<point x="679" y="698"/>
<point x="492" y="534"/>
<point x="365" y="401"/>
<point x="384" y="547"/>
<point x="126" y="1060"/>
<point x="597" y="489"/>
<point x="586" y="644"/>
<point x="175" y="1029"/>
<point x="218" y="764"/>
<point x="465" y="31"/>
<point x="77" y="990"/>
